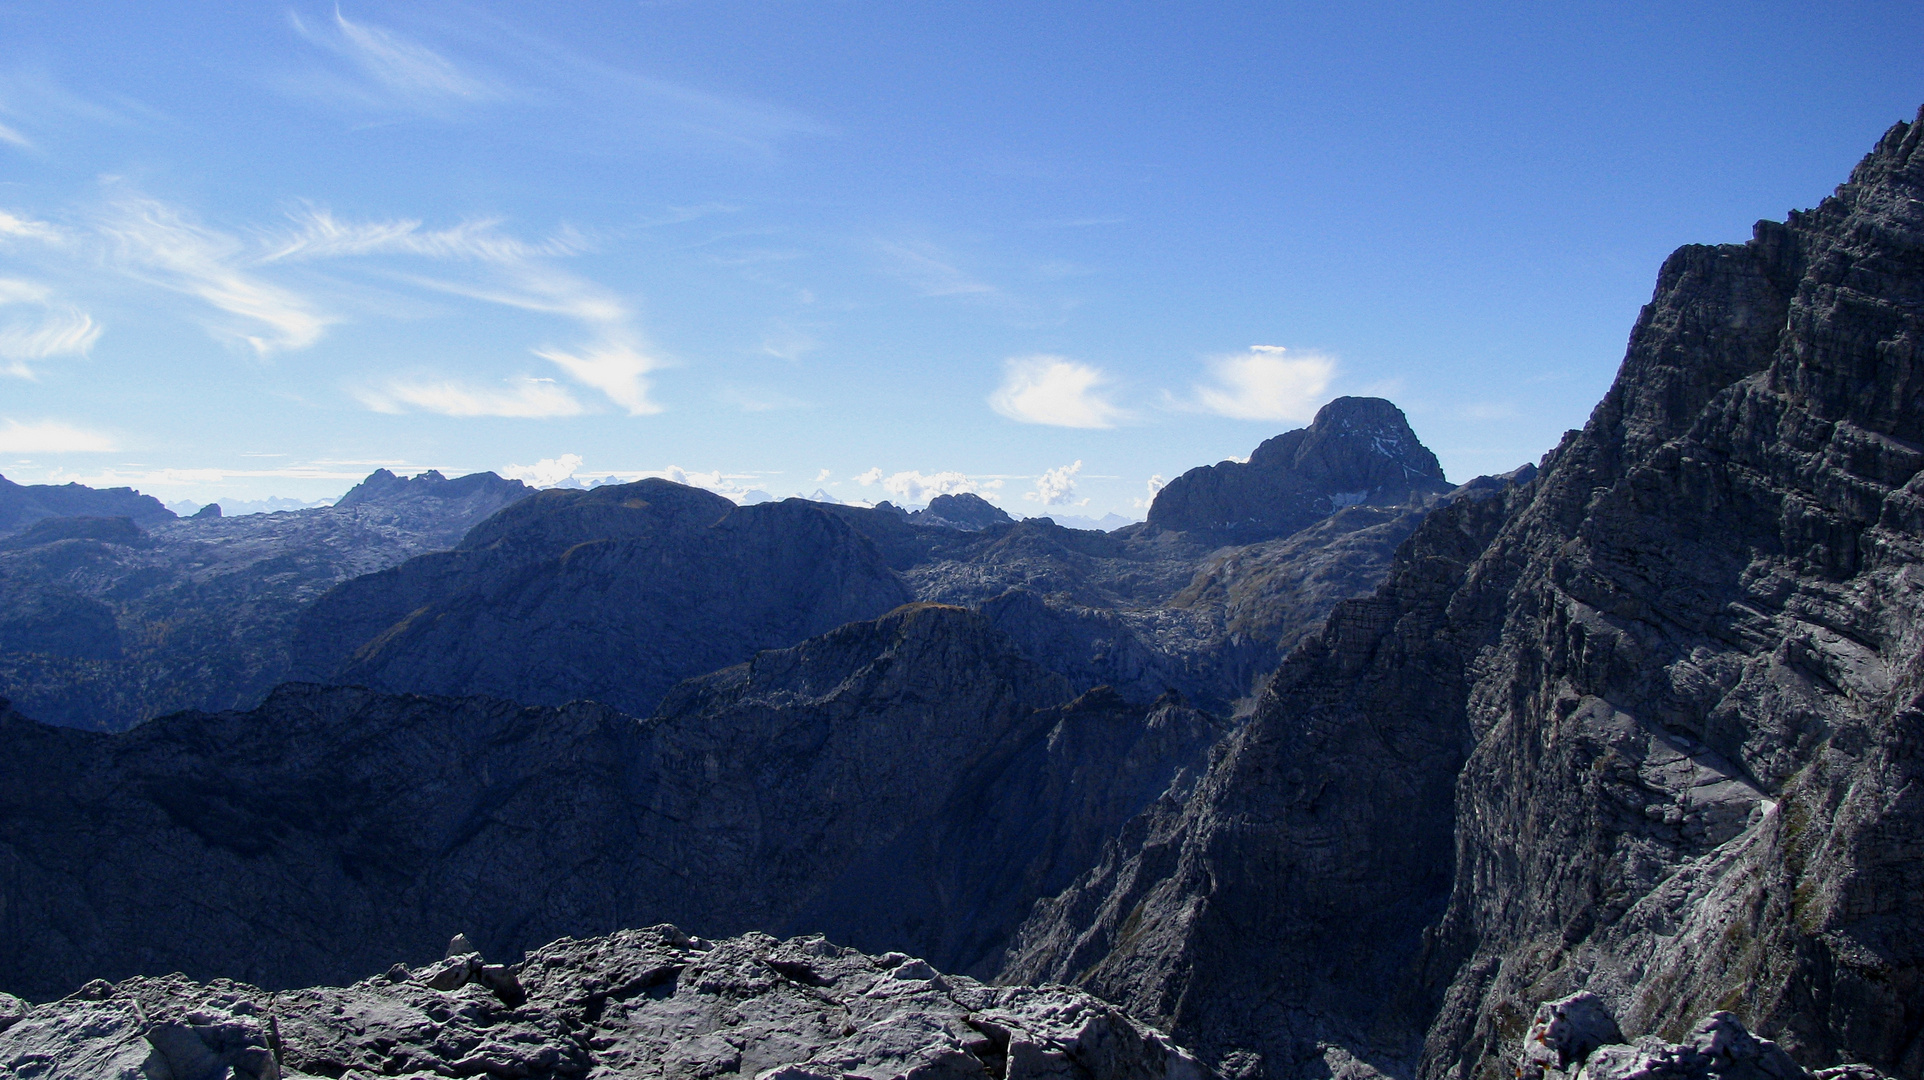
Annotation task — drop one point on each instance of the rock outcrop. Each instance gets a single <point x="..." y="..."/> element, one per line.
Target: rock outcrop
<point x="106" y="621"/>
<point x="654" y="1002"/>
<point x="964" y="511"/>
<point x="1577" y="1037"/>
<point x="1649" y="725"/>
<point x="1357" y="452"/>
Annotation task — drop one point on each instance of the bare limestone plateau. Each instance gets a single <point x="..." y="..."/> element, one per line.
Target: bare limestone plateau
<point x="637" y="1003"/>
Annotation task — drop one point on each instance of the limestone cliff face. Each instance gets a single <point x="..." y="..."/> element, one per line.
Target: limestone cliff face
<point x="910" y="782"/>
<point x="1358" y="451"/>
<point x="1653" y="722"/>
<point x="614" y="594"/>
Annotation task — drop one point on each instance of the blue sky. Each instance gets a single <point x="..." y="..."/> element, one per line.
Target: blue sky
<point x="1047" y="252"/>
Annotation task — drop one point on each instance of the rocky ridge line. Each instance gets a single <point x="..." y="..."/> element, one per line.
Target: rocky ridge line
<point x="636" y="1003"/>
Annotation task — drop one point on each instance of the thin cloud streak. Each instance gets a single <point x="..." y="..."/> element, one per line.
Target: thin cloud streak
<point x="386" y="70"/>
<point x="524" y="398"/>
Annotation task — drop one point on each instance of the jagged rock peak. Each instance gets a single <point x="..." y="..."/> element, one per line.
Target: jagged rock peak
<point x="651" y="1002"/>
<point x="382" y="485"/>
<point x="1357" y="451"/>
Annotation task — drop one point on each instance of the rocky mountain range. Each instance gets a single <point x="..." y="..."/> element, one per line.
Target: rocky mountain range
<point x="1328" y="769"/>
<point x="124" y="612"/>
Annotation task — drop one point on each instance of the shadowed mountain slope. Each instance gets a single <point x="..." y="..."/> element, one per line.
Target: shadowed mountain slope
<point x="849" y="782"/>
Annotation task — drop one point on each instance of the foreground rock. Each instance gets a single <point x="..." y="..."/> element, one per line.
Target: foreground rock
<point x="1577" y="1037"/>
<point x="637" y="1003"/>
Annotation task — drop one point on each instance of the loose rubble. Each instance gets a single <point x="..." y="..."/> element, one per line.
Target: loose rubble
<point x="636" y="1003"/>
<point x="1576" y="1038"/>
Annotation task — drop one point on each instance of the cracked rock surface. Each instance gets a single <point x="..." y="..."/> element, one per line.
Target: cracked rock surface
<point x="637" y="1003"/>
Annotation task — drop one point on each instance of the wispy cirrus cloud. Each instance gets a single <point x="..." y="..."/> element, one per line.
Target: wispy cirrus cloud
<point x="163" y="246"/>
<point x="515" y="273"/>
<point x="457" y="68"/>
<point x="930" y="270"/>
<point x="1056" y="391"/>
<point x="380" y="68"/>
<point x="525" y="398"/>
<point x="50" y="330"/>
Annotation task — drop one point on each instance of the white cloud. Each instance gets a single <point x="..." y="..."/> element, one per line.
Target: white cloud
<point x="1057" y="487"/>
<point x="50" y="437"/>
<point x="613" y="367"/>
<point x="156" y="243"/>
<point x="317" y="233"/>
<point x="1054" y="390"/>
<point x="915" y="486"/>
<point x="545" y="473"/>
<point x="405" y="65"/>
<point x="822" y="477"/>
<point x="1154" y="484"/>
<point x="1263" y="384"/>
<point x="20" y="228"/>
<point x="8" y="135"/>
<point x="524" y="397"/>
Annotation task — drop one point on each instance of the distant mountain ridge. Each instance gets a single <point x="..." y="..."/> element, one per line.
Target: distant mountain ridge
<point x="23" y="504"/>
<point x="105" y="622"/>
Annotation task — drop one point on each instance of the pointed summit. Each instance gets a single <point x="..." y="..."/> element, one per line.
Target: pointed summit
<point x="1357" y="451"/>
